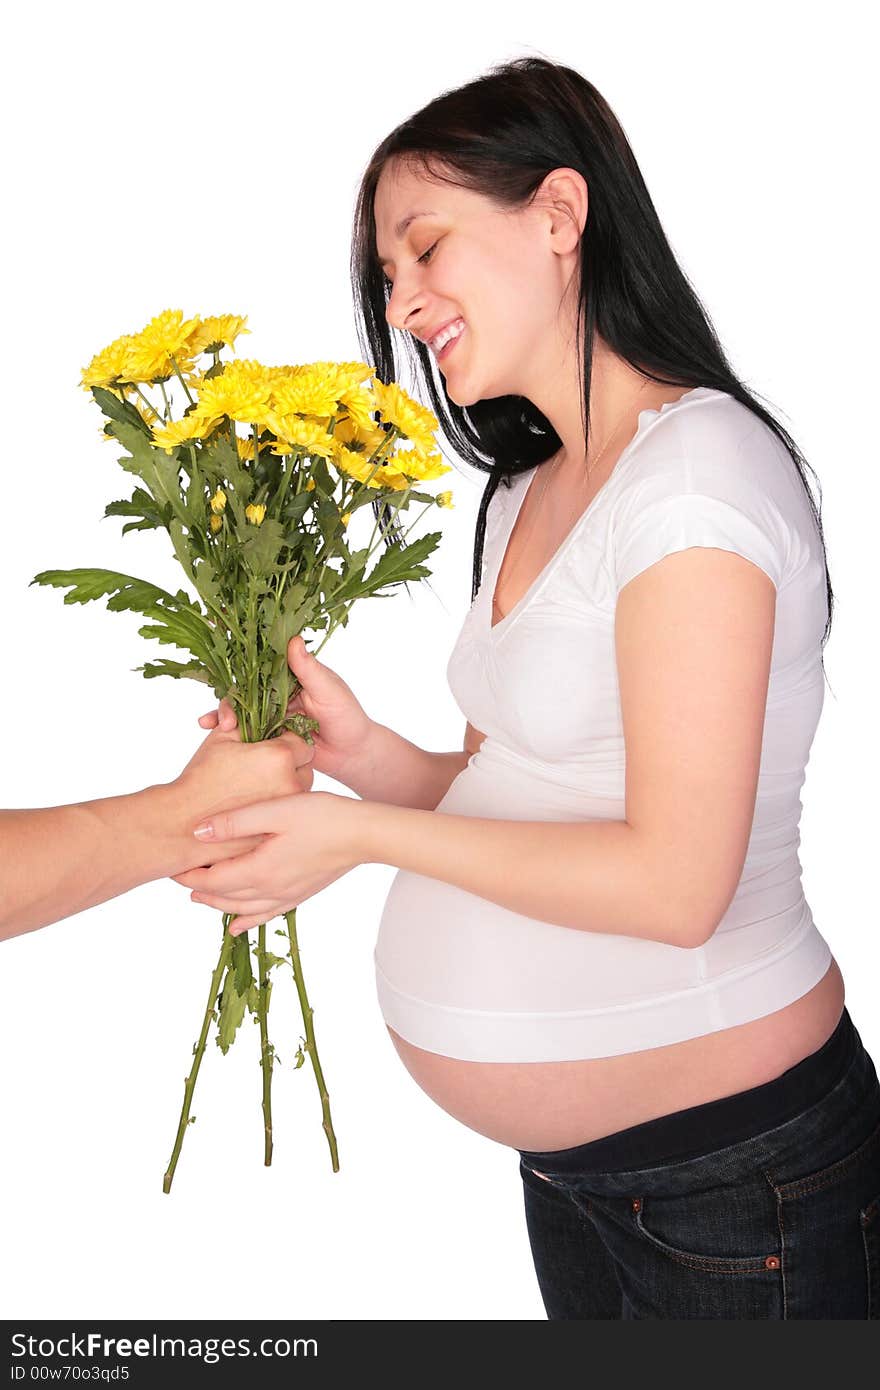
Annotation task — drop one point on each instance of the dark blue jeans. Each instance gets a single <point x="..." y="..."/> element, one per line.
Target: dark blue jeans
<point x="764" y="1204"/>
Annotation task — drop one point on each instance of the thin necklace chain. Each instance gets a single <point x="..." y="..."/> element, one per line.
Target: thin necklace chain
<point x="552" y="469"/>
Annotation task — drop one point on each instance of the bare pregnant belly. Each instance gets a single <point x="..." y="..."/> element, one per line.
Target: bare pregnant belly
<point x="556" y="1105"/>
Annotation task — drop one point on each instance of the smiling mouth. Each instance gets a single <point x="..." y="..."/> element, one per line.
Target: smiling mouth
<point x="448" y="347"/>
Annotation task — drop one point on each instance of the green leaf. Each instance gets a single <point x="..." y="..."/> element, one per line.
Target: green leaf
<point x="88" y="584"/>
<point x="221" y="460"/>
<point x="232" y="1007"/>
<point x="397" y="565"/>
<point x="291" y="618"/>
<point x="301" y="725"/>
<point x="141" y="505"/>
<point x="119" y="410"/>
<point x="193" y="669"/>
<point x="357" y="563"/>
<point x="241" y="963"/>
<point x="178" y="618"/>
<point x="324" y="480"/>
<point x="178" y="630"/>
<point x="159" y="470"/>
<point x="205" y="582"/>
<point x="295" y="508"/>
<point x="260" y="545"/>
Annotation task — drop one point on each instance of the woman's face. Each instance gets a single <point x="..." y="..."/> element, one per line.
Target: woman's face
<point x="500" y="271"/>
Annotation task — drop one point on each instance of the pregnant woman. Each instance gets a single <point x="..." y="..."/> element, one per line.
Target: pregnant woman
<point x="597" y="949"/>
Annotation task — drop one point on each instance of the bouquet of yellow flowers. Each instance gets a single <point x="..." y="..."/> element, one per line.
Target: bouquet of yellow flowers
<point x="256" y="482"/>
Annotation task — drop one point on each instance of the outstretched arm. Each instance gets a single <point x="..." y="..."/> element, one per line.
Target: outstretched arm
<point x="59" y="860"/>
<point x="56" y="861"/>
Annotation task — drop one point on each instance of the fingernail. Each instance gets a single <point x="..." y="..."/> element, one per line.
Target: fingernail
<point x="204" y="832"/>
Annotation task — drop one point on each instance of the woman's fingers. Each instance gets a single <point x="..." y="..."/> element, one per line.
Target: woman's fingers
<point x="209" y="720"/>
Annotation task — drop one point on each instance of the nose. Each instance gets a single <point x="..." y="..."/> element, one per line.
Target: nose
<point x="397" y="314"/>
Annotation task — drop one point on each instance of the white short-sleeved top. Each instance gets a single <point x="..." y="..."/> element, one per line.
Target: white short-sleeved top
<point x="459" y="975"/>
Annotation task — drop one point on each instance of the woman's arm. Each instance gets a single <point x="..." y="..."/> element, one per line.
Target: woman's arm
<point x="399" y="773"/>
<point x="694" y="637"/>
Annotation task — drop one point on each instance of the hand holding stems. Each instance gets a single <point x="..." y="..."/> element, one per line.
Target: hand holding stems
<point x="225" y="773"/>
<point x="303" y="847"/>
<point x="305" y="843"/>
<point x="344" y="728"/>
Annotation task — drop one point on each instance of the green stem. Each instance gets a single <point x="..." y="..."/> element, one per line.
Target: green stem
<point x="199" y="1051"/>
<point x="311" y="1046"/>
<point x="190" y="398"/>
<point x="149" y="404"/>
<point x="266" y="1049"/>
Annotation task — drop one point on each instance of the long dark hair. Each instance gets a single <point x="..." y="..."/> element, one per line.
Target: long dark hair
<point x="501" y="135"/>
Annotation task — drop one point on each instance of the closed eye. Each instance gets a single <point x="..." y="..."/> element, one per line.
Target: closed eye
<point x="423" y="260"/>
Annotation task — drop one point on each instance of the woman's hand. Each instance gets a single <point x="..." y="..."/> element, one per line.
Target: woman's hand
<point x="309" y="842"/>
<point x="342" y="738"/>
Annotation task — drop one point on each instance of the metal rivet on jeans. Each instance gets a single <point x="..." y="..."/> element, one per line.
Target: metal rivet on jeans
<point x="636" y="1204"/>
<point x="771" y="1262"/>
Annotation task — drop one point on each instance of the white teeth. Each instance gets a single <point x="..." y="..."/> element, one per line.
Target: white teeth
<point x="446" y="335"/>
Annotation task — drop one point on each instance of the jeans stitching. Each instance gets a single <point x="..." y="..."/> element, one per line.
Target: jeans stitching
<point x="815" y="1182"/>
<point x="867" y="1216"/>
<point x="783" y="1262"/>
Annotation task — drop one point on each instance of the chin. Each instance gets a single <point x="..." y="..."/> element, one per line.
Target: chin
<point x="462" y="398"/>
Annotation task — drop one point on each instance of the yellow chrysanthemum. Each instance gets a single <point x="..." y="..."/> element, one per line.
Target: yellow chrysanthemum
<point x="247" y="369"/>
<point x="215" y="523"/>
<point x="360" y="438"/>
<point x="218" y="501"/>
<point x="417" y="464"/>
<point x="356" y="466"/>
<point x="317" y="388"/>
<point x="246" y="402"/>
<point x="213" y="332"/>
<point x="108" y="365"/>
<point x="389" y="477"/>
<point x="305" y="434"/>
<point x="315" y="394"/>
<point x="399" y="409"/>
<point x="245" y="445"/>
<point x="255" y="513"/>
<point x="360" y="404"/>
<point x="150" y="351"/>
<point x="444" y="499"/>
<point x="195" y="425"/>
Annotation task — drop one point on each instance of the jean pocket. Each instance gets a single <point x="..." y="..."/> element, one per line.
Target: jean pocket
<point x="722" y="1230"/>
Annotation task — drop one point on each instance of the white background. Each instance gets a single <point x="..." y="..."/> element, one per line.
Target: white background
<point x="207" y="157"/>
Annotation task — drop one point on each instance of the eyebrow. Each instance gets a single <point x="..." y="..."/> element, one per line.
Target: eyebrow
<point x="404" y="223"/>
